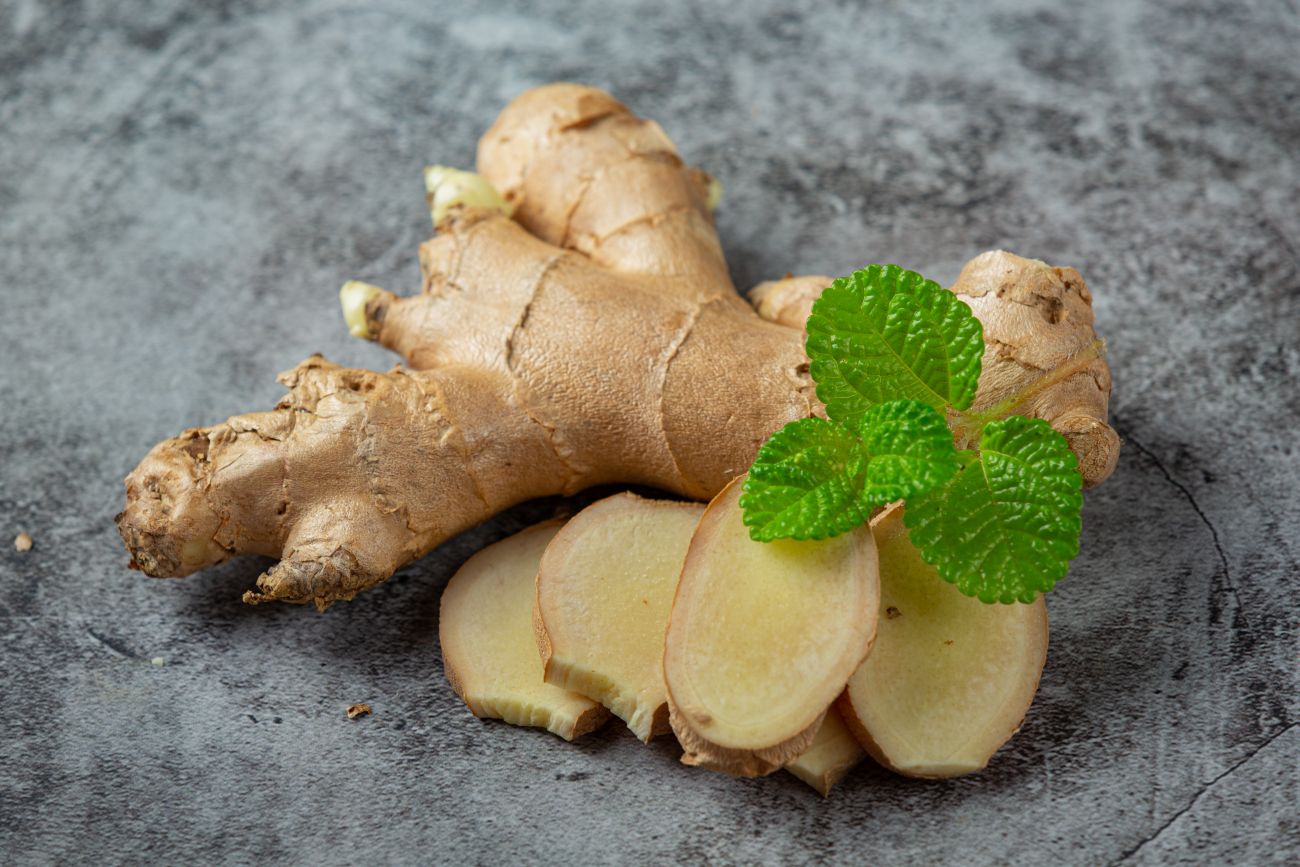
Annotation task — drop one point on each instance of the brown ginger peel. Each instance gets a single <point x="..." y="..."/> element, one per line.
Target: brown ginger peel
<point x="593" y="336"/>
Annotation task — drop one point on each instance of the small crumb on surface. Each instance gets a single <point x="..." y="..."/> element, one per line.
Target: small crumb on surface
<point x="23" y="542"/>
<point x="357" y="710"/>
<point x="891" y="612"/>
<point x="949" y="641"/>
<point x="158" y="661"/>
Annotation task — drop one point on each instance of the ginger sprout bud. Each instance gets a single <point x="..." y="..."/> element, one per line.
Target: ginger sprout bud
<point x="354" y="296"/>
<point x="451" y="188"/>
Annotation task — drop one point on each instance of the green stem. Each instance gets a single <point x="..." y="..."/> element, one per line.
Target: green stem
<point x="967" y="426"/>
<point x="1072" y="365"/>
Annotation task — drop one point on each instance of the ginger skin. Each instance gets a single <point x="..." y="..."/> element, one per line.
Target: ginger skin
<point x="593" y="336"/>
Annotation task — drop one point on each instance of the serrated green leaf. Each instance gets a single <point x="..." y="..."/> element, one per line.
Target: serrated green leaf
<point x="814" y="479"/>
<point x="802" y="484"/>
<point x="910" y="449"/>
<point x="1006" y="527"/>
<point x="885" y="333"/>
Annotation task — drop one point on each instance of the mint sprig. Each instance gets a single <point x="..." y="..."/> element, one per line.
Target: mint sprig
<point x="896" y="358"/>
<point x="815" y="478"/>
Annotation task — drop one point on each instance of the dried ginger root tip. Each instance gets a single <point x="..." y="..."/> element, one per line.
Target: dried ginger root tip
<point x="23" y="542"/>
<point x="358" y="710"/>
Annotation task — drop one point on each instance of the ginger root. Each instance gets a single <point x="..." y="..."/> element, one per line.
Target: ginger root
<point x="605" y="590"/>
<point x="591" y="336"/>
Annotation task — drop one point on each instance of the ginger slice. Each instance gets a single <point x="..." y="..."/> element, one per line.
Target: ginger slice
<point x="833" y="753"/>
<point x="604" y="592"/>
<point x="949" y="678"/>
<point x="485" y="628"/>
<point x="762" y="638"/>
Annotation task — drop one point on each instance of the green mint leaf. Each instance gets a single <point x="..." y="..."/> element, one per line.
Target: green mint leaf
<point x="814" y="479"/>
<point x="1006" y="527"/>
<point x="911" y="451"/>
<point x="802" y="484"/>
<point x="884" y="333"/>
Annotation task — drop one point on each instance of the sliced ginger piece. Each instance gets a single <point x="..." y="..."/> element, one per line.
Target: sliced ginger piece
<point x="762" y="638"/>
<point x="950" y="678"/>
<point x="604" y="592"/>
<point x="488" y="650"/>
<point x="833" y="753"/>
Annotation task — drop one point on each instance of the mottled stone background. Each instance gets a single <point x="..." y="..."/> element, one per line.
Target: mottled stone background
<point x="183" y="187"/>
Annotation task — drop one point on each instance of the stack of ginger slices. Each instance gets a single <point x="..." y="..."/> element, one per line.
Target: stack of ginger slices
<point x="803" y="656"/>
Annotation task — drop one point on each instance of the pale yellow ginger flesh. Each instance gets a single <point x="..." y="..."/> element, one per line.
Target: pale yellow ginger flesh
<point x="485" y="627"/>
<point x="949" y="679"/>
<point x="604" y="591"/>
<point x="762" y="638"/>
<point x="833" y="753"/>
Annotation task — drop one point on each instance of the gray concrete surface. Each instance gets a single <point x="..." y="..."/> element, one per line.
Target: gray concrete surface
<point x="184" y="186"/>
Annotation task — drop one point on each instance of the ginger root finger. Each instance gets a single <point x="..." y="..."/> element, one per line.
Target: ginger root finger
<point x="949" y="678"/>
<point x="1036" y="319"/>
<point x="787" y="301"/>
<point x="604" y="592"/>
<point x="762" y="638"/>
<point x="354" y="474"/>
<point x="485" y="629"/>
<point x="584" y="173"/>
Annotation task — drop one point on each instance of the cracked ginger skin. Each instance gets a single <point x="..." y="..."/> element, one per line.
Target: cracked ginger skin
<point x="580" y="330"/>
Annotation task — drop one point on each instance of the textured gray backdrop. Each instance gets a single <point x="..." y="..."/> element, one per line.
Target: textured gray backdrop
<point x="183" y="187"/>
